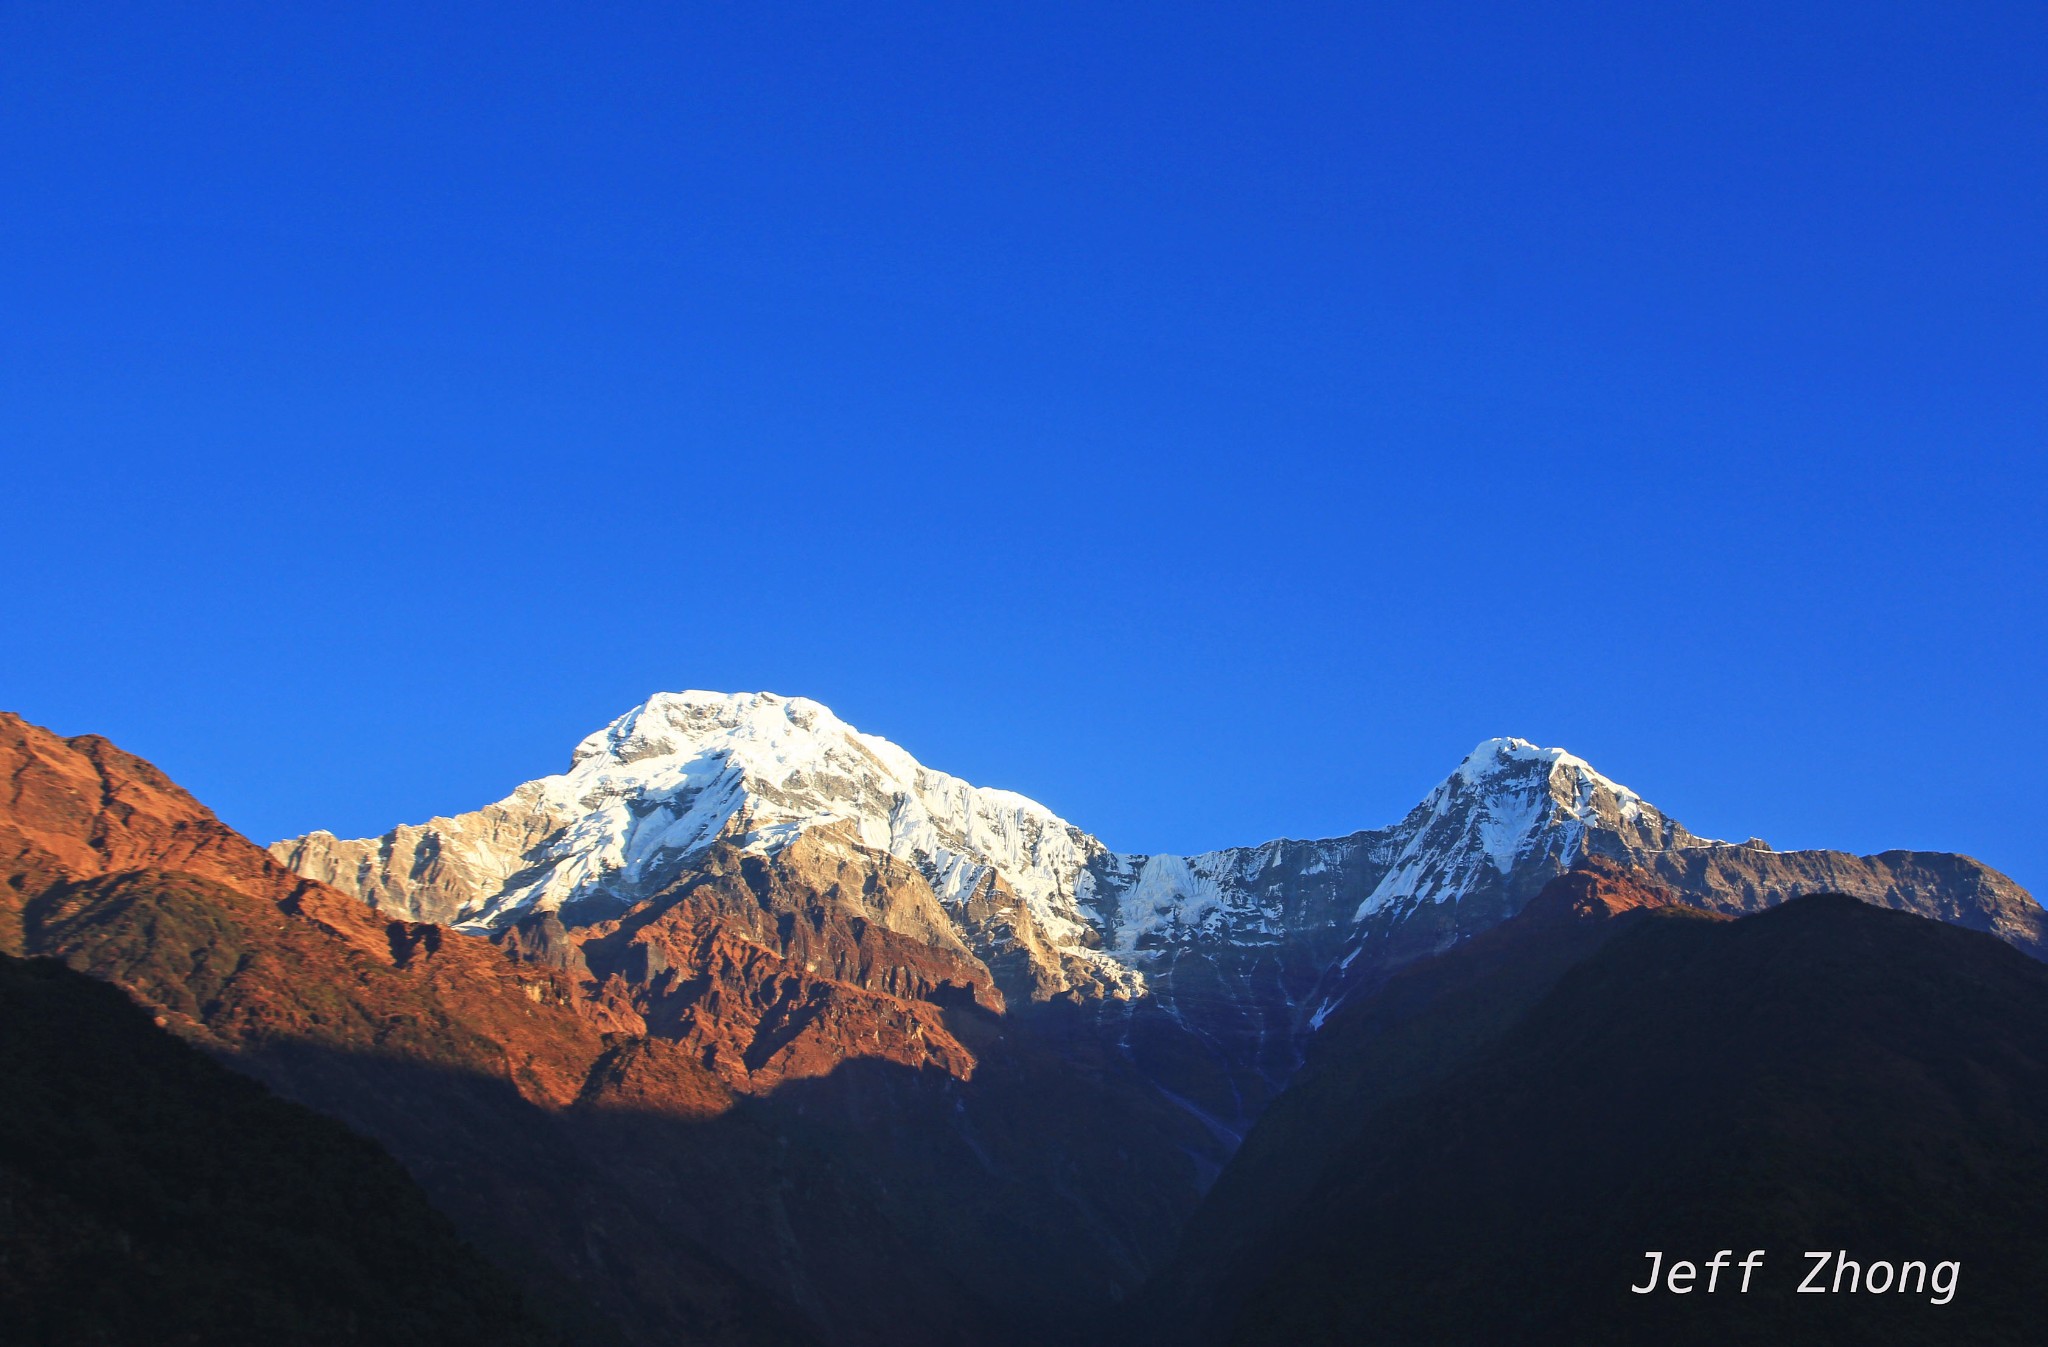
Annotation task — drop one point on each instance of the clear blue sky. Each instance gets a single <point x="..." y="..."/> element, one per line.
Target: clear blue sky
<point x="1209" y="420"/>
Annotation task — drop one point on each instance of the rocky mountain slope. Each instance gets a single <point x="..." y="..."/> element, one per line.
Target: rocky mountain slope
<point x="1205" y="971"/>
<point x="764" y="1109"/>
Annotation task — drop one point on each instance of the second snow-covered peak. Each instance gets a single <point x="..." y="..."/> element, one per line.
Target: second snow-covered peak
<point x="1509" y="804"/>
<point x="1502" y="757"/>
<point x="1519" y="768"/>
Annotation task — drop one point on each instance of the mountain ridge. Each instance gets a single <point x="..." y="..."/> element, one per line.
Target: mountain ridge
<point x="300" y="1231"/>
<point x="662" y="783"/>
<point x="1208" y="973"/>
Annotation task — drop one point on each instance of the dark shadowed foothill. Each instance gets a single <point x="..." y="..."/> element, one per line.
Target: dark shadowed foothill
<point x="1485" y="1151"/>
<point x="150" y="1195"/>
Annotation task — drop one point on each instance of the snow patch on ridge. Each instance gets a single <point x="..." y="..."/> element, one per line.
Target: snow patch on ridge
<point x="1171" y="894"/>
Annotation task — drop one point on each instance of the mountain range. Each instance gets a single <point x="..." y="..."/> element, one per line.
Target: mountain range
<point x="749" y="1028"/>
<point x="1209" y="969"/>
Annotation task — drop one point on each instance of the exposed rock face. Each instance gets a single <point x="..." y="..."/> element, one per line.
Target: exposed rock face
<point x="1204" y="971"/>
<point x="81" y="807"/>
<point x="773" y="968"/>
<point x="1593" y="890"/>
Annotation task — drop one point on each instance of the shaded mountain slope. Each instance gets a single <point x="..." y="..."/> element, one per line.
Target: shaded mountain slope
<point x="1825" y="1075"/>
<point x="1426" y="1021"/>
<point x="147" y="1194"/>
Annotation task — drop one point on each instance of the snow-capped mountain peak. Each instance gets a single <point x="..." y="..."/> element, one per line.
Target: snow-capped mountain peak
<point x="1494" y="754"/>
<point x="766" y="735"/>
<point x="648" y="795"/>
<point x="681" y="770"/>
<point x="1510" y="802"/>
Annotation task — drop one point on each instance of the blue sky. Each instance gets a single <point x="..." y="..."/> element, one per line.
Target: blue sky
<point x="1209" y="420"/>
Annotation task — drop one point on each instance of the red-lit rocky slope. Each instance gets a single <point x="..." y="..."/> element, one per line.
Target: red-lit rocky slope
<point x="772" y="1104"/>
